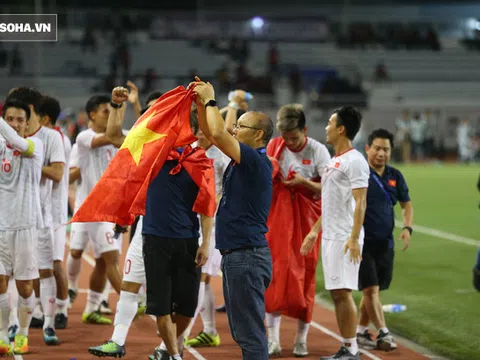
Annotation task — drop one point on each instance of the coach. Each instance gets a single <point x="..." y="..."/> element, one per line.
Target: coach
<point x="386" y="187"/>
<point x="241" y="221"/>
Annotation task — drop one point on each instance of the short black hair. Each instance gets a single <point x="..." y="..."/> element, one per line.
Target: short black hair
<point x="27" y="95"/>
<point x="349" y="117"/>
<point x="94" y="102"/>
<point x="51" y="108"/>
<point x="380" y="134"/>
<point x="14" y="103"/>
<point x="154" y="95"/>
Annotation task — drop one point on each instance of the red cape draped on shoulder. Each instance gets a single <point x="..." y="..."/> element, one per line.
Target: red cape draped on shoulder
<point x="293" y="213"/>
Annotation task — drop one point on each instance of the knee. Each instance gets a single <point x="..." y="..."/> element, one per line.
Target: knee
<point x="76" y="254"/>
<point x="25" y="288"/>
<point x="339" y="296"/>
<point x="371" y="293"/>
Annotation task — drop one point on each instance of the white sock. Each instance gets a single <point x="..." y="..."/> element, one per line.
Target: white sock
<point x="201" y="294"/>
<point x="353" y="346"/>
<point x="273" y="326"/>
<point x="4" y="317"/>
<point x="37" y="310"/>
<point x="302" y="332"/>
<point x="62" y="306"/>
<point x="25" y="312"/>
<point x="176" y="357"/>
<point x="106" y="292"/>
<point x="361" y="329"/>
<point x="126" y="309"/>
<point x="179" y="344"/>
<point x="385" y="330"/>
<point x="142" y="295"/>
<point x="13" y="302"/>
<point x="208" y="311"/>
<point x="73" y="270"/>
<point x="163" y="346"/>
<point x="48" y="296"/>
<point x="93" y="301"/>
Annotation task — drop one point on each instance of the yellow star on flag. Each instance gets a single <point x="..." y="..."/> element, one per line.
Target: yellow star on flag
<point x="138" y="137"/>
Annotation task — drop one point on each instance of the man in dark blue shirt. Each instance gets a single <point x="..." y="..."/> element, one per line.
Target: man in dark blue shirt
<point x="386" y="187"/>
<point x="241" y="221"/>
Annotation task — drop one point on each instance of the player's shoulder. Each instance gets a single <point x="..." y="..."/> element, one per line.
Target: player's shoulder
<point x="356" y="158"/>
<point x="316" y="145"/>
<point x="393" y="171"/>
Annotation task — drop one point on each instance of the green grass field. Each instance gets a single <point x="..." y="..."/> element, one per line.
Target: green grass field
<point x="434" y="276"/>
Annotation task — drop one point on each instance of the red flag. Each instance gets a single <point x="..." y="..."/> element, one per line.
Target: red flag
<point x="121" y="192"/>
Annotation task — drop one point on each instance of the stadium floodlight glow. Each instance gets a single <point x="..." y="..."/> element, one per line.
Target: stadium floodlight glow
<point x="257" y="23"/>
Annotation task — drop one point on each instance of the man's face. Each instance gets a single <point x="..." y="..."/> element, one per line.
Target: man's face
<point x="332" y="131"/>
<point x="379" y="153"/>
<point x="247" y="131"/>
<point x="294" y="139"/>
<point x="17" y="119"/>
<point x="100" y="116"/>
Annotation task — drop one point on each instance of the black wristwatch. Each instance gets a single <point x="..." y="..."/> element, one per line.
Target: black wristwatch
<point x="211" y="103"/>
<point x="115" y="105"/>
<point x="410" y="230"/>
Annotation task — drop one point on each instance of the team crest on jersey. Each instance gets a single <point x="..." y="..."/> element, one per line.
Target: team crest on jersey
<point x="16" y="153"/>
<point x="392" y="183"/>
<point x="337" y="165"/>
<point x="306" y="161"/>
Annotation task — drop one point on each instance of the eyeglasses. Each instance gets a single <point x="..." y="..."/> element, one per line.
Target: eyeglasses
<point x="237" y="126"/>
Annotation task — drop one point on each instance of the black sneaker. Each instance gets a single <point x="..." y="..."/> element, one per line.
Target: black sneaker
<point x="37" y="323"/>
<point x="61" y="321"/>
<point x="159" y="355"/>
<point x="476" y="278"/>
<point x="365" y="341"/>
<point x="342" y="354"/>
<point x="385" y="341"/>
<point x="222" y="308"/>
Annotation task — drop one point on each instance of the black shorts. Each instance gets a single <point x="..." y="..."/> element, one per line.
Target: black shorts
<point x="376" y="269"/>
<point x="173" y="279"/>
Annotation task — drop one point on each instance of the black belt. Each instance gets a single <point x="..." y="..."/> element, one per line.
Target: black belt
<point x="228" y="251"/>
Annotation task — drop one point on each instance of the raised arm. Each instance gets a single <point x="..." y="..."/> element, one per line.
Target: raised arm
<point x="16" y="141"/>
<point x="213" y="125"/>
<point x="115" y="119"/>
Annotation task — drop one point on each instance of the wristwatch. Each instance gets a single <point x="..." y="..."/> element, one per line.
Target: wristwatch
<point x="115" y="105"/>
<point x="211" y="103"/>
<point x="410" y="230"/>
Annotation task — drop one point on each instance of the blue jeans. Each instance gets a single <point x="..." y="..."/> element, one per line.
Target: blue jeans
<point x="246" y="275"/>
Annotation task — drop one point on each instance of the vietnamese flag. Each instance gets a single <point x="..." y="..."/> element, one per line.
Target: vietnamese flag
<point x="121" y="192"/>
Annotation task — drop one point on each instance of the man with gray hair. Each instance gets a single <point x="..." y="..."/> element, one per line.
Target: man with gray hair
<point x="299" y="162"/>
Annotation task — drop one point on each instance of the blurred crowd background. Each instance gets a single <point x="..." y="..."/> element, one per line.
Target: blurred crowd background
<point x="410" y="66"/>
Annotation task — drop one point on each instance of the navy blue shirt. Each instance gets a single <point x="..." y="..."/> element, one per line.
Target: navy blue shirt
<point x="170" y="200"/>
<point x="379" y="216"/>
<point x="247" y="193"/>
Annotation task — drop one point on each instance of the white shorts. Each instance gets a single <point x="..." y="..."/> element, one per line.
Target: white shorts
<point x="212" y="267"/>
<point x="100" y="235"/>
<point x="134" y="267"/>
<point x="45" y="249"/>
<point x="338" y="271"/>
<point x="59" y="239"/>
<point x="18" y="249"/>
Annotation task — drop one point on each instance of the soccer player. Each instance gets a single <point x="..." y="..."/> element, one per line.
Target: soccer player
<point x="49" y="111"/>
<point x="52" y="172"/>
<point x="386" y="187"/>
<point x="296" y="195"/>
<point x="94" y="153"/>
<point x="344" y="192"/>
<point x="20" y="174"/>
<point x="206" y="299"/>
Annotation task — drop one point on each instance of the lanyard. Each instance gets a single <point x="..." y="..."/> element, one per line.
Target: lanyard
<point x="379" y="182"/>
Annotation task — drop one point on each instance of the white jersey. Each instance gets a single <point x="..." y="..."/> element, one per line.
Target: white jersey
<point x="60" y="190"/>
<point x="53" y="153"/>
<point x="309" y="162"/>
<point x="220" y="163"/>
<point x="92" y="162"/>
<point x="20" y="187"/>
<point x="73" y="157"/>
<point x="344" y="173"/>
